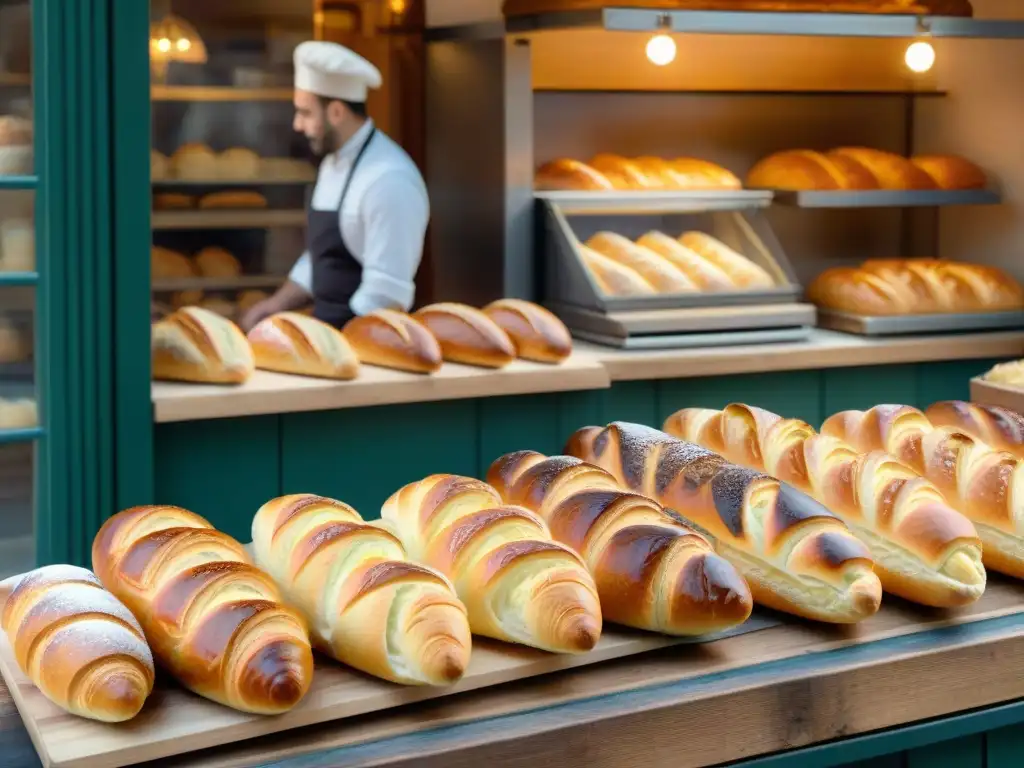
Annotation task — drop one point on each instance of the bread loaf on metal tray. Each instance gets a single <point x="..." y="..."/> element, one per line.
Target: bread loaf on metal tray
<point x="938" y="7"/>
<point x="213" y="620"/>
<point x="518" y="584"/>
<point x="796" y="555"/>
<point x="652" y="571"/>
<point x="924" y="550"/>
<point x="984" y="484"/>
<point x="78" y="644"/>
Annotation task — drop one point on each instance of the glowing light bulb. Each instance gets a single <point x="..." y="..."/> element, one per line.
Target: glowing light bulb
<point x="163" y="45"/>
<point x="661" y="50"/>
<point x="920" y="56"/>
<point x="184" y="44"/>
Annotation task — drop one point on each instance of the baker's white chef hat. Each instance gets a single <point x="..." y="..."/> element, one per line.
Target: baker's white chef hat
<point x="332" y="70"/>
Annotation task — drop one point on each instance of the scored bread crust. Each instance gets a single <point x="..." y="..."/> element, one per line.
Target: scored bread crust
<point x="392" y="339"/>
<point x="292" y="343"/>
<point x="467" y="335"/>
<point x="566" y="174"/>
<point x="701" y="272"/>
<point x="196" y="345"/>
<point x="951" y="171"/>
<point x="536" y="333"/>
<point x="742" y="271"/>
<point x="891" y="170"/>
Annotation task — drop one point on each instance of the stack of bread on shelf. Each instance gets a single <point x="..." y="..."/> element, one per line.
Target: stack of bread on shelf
<point x="607" y="172"/>
<point x="194" y="344"/>
<point x="211" y="262"/>
<point x="863" y="168"/>
<point x="198" y="162"/>
<point x="657" y="263"/>
<point x="225" y="199"/>
<point x="916" y="287"/>
<point x="913" y="7"/>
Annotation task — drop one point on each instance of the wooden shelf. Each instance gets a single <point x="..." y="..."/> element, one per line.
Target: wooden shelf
<point x="249" y="218"/>
<point x="16" y="80"/>
<point x="265" y="181"/>
<point x="219" y="93"/>
<point x="218" y="283"/>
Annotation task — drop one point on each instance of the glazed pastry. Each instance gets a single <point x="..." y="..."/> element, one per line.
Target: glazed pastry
<point x="536" y="333"/>
<point x="393" y="339"/>
<point x="467" y="335"/>
<point x="796" y="556"/>
<point x="1000" y="428"/>
<point x="79" y="645"/>
<point x="366" y="604"/>
<point x="978" y="481"/>
<point x="662" y="274"/>
<point x="613" y="278"/>
<point x="652" y="571"/>
<point x="213" y="620"/>
<point x="517" y="583"/>
<point x="923" y="550"/>
<point x="194" y="344"/>
<point x="741" y="271"/>
<point x="292" y="343"/>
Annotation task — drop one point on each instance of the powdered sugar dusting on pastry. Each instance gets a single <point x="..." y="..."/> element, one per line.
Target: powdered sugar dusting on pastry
<point x="105" y="638"/>
<point x="74" y="598"/>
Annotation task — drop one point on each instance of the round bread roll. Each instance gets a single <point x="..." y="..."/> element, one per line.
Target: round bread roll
<point x="173" y="201"/>
<point x="14" y="347"/>
<point x="159" y="165"/>
<point x="217" y="262"/>
<point x="238" y="163"/>
<point x="194" y="161"/>
<point x="170" y="265"/>
<point x="536" y="333"/>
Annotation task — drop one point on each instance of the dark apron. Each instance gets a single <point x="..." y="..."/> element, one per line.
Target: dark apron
<point x="336" y="273"/>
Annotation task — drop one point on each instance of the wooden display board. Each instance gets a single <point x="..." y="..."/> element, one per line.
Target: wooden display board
<point x="1003" y="395"/>
<point x="176" y="722"/>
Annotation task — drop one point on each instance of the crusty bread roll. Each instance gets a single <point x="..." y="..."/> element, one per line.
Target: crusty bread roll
<point x="694" y="173"/>
<point x="194" y="161"/>
<point x="662" y="274"/>
<point x="891" y="171"/>
<point x="14" y="346"/>
<point x="159" y="165"/>
<point x="701" y="272"/>
<point x="173" y="201"/>
<point x="623" y="172"/>
<point x="80" y="646"/>
<point x="21" y="413"/>
<point x="467" y="335"/>
<point x="238" y="163"/>
<point x="393" y="339"/>
<point x="804" y="169"/>
<point x="194" y="344"/>
<point x="167" y="264"/>
<point x="366" y="603"/>
<point x="217" y="262"/>
<point x="214" y="621"/>
<point x="951" y="171"/>
<point x="566" y="174"/>
<point x="536" y="333"/>
<point x="233" y="198"/>
<point x="292" y="343"/>
<point x="612" y="278"/>
<point x="743" y="272"/>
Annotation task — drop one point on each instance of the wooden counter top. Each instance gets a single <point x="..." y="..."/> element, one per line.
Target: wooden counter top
<point x="591" y="367"/>
<point x="785" y="687"/>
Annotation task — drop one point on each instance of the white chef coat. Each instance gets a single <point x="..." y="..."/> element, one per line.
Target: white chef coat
<point x="383" y="222"/>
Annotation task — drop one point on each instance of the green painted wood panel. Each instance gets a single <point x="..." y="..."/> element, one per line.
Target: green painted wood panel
<point x="635" y="401"/>
<point x="363" y="455"/>
<point x="1004" y="747"/>
<point x="795" y="394"/>
<point x="223" y="469"/>
<point x="885" y="761"/>
<point x="965" y="752"/>
<point x="514" y="423"/>
<point x="861" y="388"/>
<point x="949" y="380"/>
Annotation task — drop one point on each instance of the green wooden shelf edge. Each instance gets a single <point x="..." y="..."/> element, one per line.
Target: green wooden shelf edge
<point x="8" y="436"/>
<point x="19" y="182"/>
<point x="18" y="278"/>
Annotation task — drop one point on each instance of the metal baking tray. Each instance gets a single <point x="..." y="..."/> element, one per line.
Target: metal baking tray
<point x="695" y="340"/>
<point x="688" y="321"/>
<point x="887" y="198"/>
<point x="900" y="324"/>
<point x="568" y="281"/>
<point x="576" y="203"/>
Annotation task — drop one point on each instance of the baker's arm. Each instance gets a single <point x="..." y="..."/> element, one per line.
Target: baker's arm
<point x="295" y="293"/>
<point x="396" y="211"/>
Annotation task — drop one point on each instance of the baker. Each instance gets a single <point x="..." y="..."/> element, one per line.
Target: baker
<point x="369" y="210"/>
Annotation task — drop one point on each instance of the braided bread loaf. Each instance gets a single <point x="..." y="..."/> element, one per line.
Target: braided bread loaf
<point x="923" y="550"/>
<point x="213" y="620"/>
<point x="1000" y="428"/>
<point x="984" y="484"/>
<point x="77" y="643"/>
<point x="517" y="583"/>
<point x="796" y="555"/>
<point x="366" y="604"/>
<point x="652" y="572"/>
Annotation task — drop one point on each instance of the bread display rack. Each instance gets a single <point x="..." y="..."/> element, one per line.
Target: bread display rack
<point x="669" y="320"/>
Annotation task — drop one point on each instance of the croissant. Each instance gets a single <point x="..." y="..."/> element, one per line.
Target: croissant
<point x="980" y="482"/>
<point x="78" y="644"/>
<point x="923" y="550"/>
<point x="213" y="620"/>
<point x="1000" y="428"/>
<point x="796" y="555"/>
<point x="652" y="572"/>
<point x="517" y="583"/>
<point x="366" y="604"/>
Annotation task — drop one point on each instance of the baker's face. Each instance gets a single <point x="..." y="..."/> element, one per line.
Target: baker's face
<point x="311" y="121"/>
